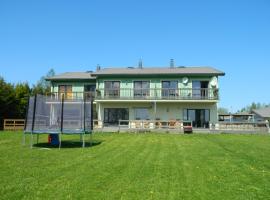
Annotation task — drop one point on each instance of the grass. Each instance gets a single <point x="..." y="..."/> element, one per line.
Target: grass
<point x="137" y="166"/>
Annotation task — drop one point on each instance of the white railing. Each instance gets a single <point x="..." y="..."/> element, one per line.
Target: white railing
<point x="153" y="124"/>
<point x="244" y="126"/>
<point x="98" y="124"/>
<point x="178" y="125"/>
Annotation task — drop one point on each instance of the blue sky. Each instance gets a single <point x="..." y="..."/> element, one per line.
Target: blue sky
<point x="231" y="35"/>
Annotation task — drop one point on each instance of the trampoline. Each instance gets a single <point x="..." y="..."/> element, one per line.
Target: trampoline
<point x="57" y="114"/>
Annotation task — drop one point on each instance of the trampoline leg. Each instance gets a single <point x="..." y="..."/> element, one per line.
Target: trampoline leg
<point x="90" y="136"/>
<point x="60" y="140"/>
<point x="31" y="141"/>
<point x="80" y="137"/>
<point x="83" y="142"/>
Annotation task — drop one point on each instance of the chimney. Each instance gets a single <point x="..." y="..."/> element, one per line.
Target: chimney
<point x="98" y="67"/>
<point x="140" y="64"/>
<point x="171" y="63"/>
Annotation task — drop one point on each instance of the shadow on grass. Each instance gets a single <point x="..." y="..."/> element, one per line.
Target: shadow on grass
<point x="69" y="144"/>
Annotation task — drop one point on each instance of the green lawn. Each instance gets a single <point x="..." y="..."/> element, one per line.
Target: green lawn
<point x="138" y="166"/>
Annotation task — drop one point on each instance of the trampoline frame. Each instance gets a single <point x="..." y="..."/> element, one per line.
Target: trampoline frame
<point x="81" y="132"/>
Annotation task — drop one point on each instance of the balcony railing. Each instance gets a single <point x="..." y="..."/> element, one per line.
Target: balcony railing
<point x="142" y="94"/>
<point x="158" y="94"/>
<point x="71" y="95"/>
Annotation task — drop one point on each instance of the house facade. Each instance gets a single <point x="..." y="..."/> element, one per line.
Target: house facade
<point x="142" y="93"/>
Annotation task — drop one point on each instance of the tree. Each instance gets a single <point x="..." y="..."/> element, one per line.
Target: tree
<point x="22" y="92"/>
<point x="14" y="98"/>
<point x="223" y="110"/>
<point x="7" y="100"/>
<point x="253" y="106"/>
<point x="43" y="86"/>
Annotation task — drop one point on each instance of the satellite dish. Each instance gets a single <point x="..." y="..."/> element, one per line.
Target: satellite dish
<point x="185" y="80"/>
<point x="214" y="82"/>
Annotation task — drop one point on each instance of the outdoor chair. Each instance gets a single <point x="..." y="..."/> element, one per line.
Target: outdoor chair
<point x="172" y="124"/>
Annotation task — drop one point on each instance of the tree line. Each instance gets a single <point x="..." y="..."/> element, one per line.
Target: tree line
<point x="14" y="97"/>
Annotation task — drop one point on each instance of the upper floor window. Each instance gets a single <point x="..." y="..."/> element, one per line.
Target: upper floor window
<point x="200" y="89"/>
<point x="112" y="88"/>
<point x="89" y="90"/>
<point x="66" y="90"/>
<point x="141" y="88"/>
<point x="169" y="88"/>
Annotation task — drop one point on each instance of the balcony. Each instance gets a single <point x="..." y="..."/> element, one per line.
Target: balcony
<point x="157" y="94"/>
<point x="142" y="94"/>
<point x="71" y="95"/>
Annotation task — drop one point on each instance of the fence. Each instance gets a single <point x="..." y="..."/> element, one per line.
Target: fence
<point x="178" y="125"/>
<point x="13" y="124"/>
<point x="244" y="126"/>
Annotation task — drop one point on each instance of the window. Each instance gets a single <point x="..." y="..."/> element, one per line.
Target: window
<point x="199" y="117"/>
<point x="112" y="88"/>
<point x="66" y="90"/>
<point x="141" y="88"/>
<point x="141" y="114"/>
<point x="200" y="89"/>
<point x="169" y="88"/>
<point x="113" y="115"/>
<point x="89" y="90"/>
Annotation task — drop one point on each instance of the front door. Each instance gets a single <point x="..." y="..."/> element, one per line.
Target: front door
<point x="113" y="115"/>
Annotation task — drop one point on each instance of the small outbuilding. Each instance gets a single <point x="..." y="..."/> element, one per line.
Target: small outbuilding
<point x="261" y="114"/>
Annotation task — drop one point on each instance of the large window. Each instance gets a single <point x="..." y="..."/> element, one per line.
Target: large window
<point x="141" y="114"/>
<point x="112" y="88"/>
<point x="89" y="90"/>
<point x="141" y="88"/>
<point x="199" y="117"/>
<point x="66" y="90"/>
<point x="169" y="88"/>
<point x="200" y="89"/>
<point x="113" y="115"/>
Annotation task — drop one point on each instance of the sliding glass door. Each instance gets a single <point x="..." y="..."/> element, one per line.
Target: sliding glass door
<point x="112" y="89"/>
<point x="141" y="88"/>
<point x="66" y="90"/>
<point x="113" y="115"/>
<point x="200" y="89"/>
<point x="169" y="88"/>
<point x="199" y="117"/>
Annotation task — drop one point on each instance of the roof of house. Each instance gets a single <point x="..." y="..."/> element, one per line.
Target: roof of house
<point x="138" y="71"/>
<point x="236" y="114"/>
<point x="262" y="112"/>
<point x="160" y="70"/>
<point x="72" y="76"/>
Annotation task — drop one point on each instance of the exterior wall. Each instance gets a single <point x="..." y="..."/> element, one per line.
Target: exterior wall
<point x="77" y="86"/>
<point x="127" y="83"/>
<point x="164" y="111"/>
<point x="154" y="82"/>
<point x="259" y="118"/>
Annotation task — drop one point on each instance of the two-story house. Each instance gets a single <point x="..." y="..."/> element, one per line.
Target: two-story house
<point x="146" y="93"/>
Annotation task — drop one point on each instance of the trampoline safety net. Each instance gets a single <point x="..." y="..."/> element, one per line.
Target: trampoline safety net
<point x="56" y="114"/>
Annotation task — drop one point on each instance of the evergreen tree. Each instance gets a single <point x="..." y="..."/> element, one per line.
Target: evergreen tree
<point x="43" y="86"/>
